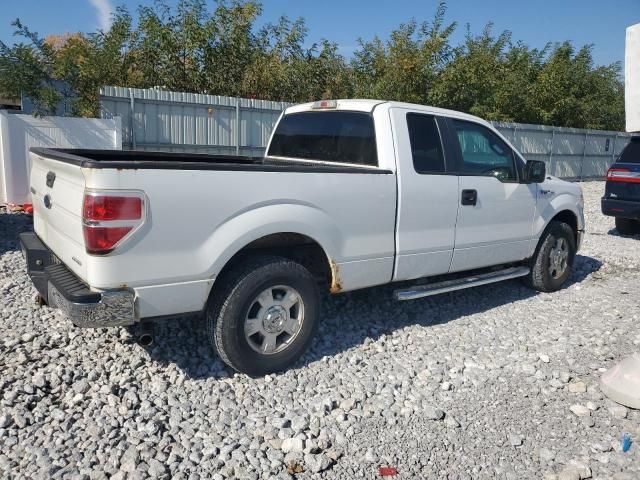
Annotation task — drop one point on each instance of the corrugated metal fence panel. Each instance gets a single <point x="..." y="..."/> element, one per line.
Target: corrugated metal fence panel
<point x="187" y="122"/>
<point x="569" y="152"/>
<point x="110" y="108"/>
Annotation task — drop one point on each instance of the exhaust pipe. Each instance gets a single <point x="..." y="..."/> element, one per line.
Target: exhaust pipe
<point x="145" y="335"/>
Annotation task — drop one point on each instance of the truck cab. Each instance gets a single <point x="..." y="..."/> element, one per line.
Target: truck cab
<point x="464" y="199"/>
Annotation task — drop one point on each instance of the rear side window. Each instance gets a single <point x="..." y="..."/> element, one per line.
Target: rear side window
<point x="345" y="137"/>
<point x="631" y="153"/>
<point x="426" y="146"/>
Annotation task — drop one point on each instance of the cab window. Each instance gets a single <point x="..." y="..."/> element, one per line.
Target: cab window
<point x="426" y="146"/>
<point x="338" y="136"/>
<point x="484" y="153"/>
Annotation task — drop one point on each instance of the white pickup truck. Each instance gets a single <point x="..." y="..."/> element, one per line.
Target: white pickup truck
<point x="350" y="194"/>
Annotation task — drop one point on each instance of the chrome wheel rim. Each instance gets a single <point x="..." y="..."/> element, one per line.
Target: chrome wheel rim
<point x="559" y="258"/>
<point x="274" y="319"/>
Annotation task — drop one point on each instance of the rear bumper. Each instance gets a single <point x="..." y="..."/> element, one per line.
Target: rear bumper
<point x="621" y="208"/>
<point x="62" y="289"/>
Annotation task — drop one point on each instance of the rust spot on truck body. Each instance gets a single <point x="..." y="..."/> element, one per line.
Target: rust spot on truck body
<point x="336" y="283"/>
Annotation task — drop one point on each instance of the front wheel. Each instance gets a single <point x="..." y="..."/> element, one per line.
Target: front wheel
<point x="264" y="315"/>
<point x="626" y="226"/>
<point x="551" y="264"/>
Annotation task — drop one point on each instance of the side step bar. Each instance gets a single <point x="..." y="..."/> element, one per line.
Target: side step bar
<point x="421" y="291"/>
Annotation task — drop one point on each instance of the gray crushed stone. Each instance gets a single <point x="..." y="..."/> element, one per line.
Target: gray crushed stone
<point x="494" y="382"/>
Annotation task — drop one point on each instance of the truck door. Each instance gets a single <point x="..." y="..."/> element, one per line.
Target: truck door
<point x="495" y="216"/>
<point x="427" y="195"/>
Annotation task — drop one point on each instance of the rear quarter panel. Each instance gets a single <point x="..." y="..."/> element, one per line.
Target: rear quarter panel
<point x="197" y="220"/>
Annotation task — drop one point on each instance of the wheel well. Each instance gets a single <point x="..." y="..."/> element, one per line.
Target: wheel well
<point x="568" y="217"/>
<point x="294" y="246"/>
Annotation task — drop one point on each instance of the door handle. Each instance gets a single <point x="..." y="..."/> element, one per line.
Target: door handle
<point x="469" y="197"/>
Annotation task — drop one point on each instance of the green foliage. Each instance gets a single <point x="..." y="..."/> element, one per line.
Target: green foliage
<point x="406" y="67"/>
<point x="28" y="68"/>
<point x="570" y="91"/>
<point x="475" y="75"/>
<point x="192" y="48"/>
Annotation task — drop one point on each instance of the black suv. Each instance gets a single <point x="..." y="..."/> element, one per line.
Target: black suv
<point x="622" y="194"/>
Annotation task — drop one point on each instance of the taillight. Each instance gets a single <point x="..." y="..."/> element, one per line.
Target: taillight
<point x="624" y="175"/>
<point x="108" y="218"/>
<point x="107" y="208"/>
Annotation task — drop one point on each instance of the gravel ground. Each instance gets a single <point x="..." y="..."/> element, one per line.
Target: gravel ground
<point x="494" y="382"/>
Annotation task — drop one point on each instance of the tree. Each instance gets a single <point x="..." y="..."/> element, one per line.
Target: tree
<point x="28" y="69"/>
<point x="190" y="47"/>
<point x="282" y="69"/>
<point x="406" y="66"/>
<point x="513" y="100"/>
<point x="87" y="62"/>
<point x="569" y="91"/>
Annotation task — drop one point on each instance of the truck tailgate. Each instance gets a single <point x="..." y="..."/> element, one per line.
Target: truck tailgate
<point x="57" y="189"/>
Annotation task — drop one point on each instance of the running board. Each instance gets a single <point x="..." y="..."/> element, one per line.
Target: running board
<point x="420" y="291"/>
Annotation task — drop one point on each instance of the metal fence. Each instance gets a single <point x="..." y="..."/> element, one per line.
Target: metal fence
<point x="570" y="153"/>
<point x="188" y="122"/>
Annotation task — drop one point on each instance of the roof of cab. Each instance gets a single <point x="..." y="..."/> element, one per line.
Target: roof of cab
<point x="354" y="105"/>
<point x="368" y="105"/>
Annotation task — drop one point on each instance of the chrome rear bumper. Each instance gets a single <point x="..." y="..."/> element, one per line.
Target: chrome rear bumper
<point x="115" y="309"/>
<point x="61" y="288"/>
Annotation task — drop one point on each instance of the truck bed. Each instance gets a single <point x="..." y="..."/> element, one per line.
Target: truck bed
<point x="200" y="210"/>
<point x="136" y="159"/>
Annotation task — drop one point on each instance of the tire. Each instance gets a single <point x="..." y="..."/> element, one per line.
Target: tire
<point x="547" y="275"/>
<point x="626" y="226"/>
<point x="255" y="297"/>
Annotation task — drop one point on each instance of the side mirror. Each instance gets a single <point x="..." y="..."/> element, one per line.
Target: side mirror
<point x="535" y="171"/>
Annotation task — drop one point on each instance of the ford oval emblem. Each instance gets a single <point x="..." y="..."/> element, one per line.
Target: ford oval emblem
<point x="47" y="201"/>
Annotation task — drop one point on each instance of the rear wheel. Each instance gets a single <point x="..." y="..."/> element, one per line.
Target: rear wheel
<point x="551" y="264"/>
<point x="264" y="315"/>
<point x="626" y="226"/>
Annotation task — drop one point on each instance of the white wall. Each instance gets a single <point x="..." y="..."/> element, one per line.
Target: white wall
<point x="632" y="78"/>
<point x="20" y="132"/>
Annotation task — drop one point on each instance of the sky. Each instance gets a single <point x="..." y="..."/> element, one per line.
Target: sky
<point x="344" y="21"/>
